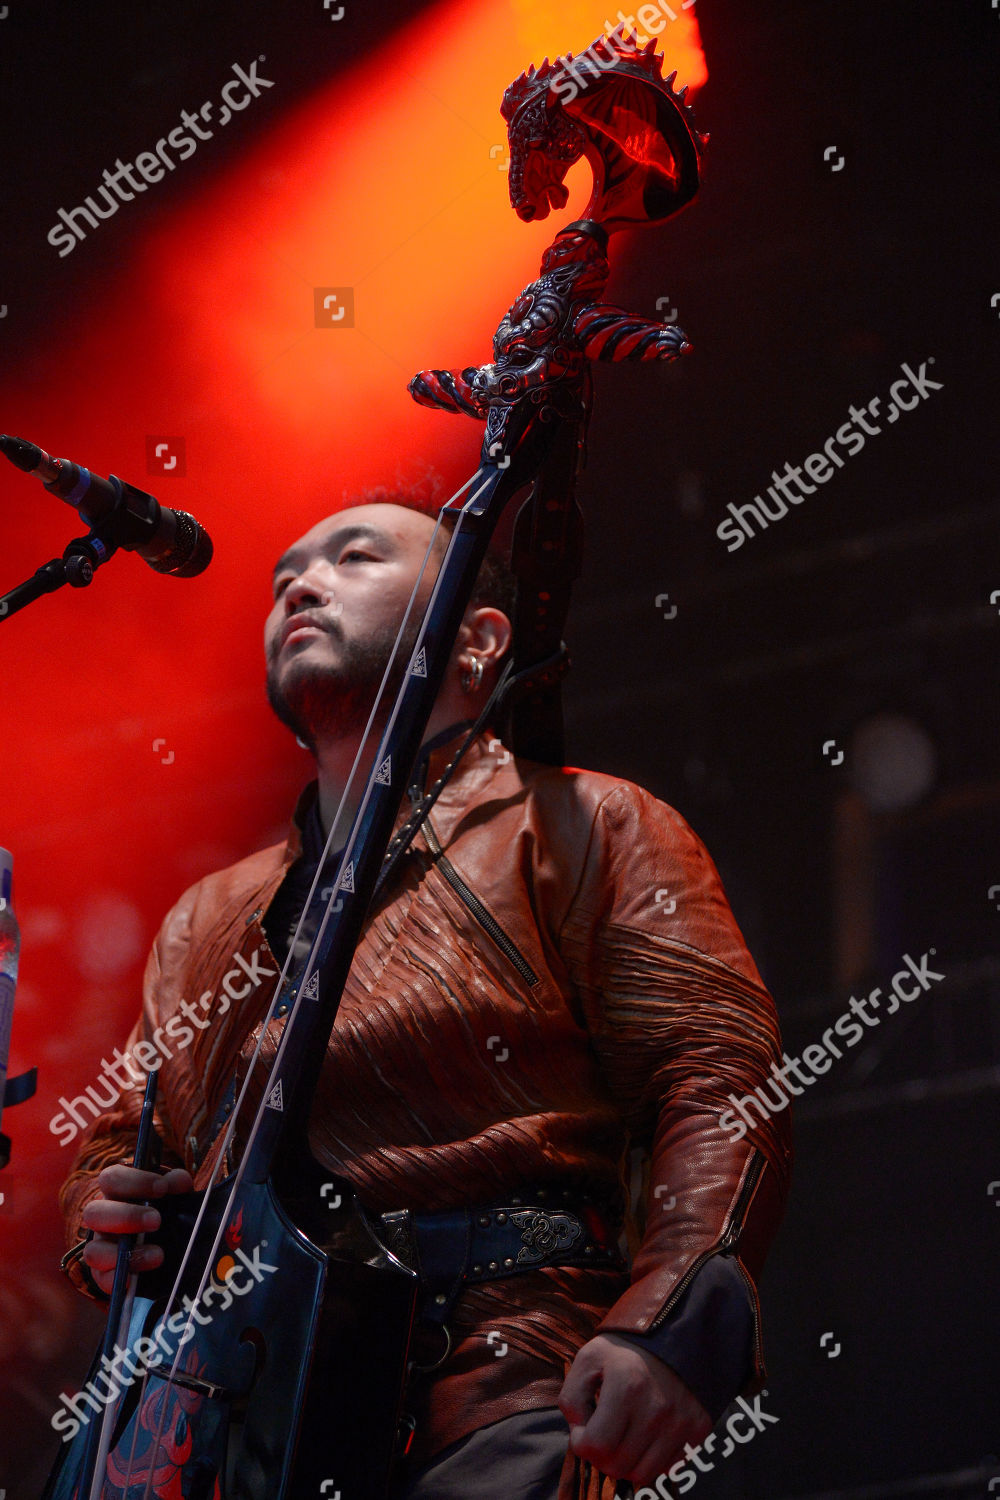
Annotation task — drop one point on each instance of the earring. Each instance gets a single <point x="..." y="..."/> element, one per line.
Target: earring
<point x="473" y="677"/>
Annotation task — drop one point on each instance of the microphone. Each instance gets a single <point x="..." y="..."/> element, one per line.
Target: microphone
<point x="170" y="541"/>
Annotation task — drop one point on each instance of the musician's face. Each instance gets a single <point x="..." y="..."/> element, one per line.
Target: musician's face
<point x="339" y="594"/>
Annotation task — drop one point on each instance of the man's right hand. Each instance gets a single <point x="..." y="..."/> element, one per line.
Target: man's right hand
<point x="119" y="1209"/>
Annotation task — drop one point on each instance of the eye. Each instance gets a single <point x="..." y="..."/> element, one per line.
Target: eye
<point x="356" y="552"/>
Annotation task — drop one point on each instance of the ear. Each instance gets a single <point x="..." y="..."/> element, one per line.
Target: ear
<point x="485" y="633"/>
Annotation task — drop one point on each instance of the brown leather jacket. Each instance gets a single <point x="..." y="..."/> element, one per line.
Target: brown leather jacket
<point x="627" y="1010"/>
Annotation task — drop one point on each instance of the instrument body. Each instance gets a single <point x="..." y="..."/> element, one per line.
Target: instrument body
<point x="306" y="1331"/>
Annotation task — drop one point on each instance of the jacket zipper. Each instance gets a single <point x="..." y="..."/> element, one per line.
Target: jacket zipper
<point x="739" y="1213"/>
<point x="730" y="1237"/>
<point x="485" y="918"/>
<point x="758" y="1350"/>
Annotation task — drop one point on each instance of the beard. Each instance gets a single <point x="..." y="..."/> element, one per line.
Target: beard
<point x="318" y="701"/>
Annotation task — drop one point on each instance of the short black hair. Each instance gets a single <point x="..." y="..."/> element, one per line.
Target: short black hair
<point x="495" y="585"/>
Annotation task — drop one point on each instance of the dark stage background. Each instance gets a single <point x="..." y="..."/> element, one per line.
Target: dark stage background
<point x="820" y="704"/>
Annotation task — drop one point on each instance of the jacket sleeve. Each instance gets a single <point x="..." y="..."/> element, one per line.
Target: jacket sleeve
<point x="110" y="1138"/>
<point x="681" y="1021"/>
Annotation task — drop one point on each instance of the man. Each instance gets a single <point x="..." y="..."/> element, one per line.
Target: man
<point x="552" y="976"/>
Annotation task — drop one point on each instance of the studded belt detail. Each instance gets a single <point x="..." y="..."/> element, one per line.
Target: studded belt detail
<point x="464" y="1247"/>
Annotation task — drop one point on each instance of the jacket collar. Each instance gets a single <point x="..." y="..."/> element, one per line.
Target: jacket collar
<point x="476" y="767"/>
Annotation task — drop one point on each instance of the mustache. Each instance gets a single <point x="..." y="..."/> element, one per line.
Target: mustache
<point x="301" y="617"/>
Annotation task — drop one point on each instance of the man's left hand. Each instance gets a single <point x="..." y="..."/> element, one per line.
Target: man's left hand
<point x="629" y="1414"/>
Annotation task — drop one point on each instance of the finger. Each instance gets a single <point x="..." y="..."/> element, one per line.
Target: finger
<point x="608" y="1429"/>
<point x="110" y="1217"/>
<point x="664" y="1448"/>
<point x="578" y="1395"/>
<point x="656" y="1434"/>
<point x="123" y="1183"/>
<point x="102" y="1260"/>
<point x="178" y="1180"/>
<point x="651" y="1465"/>
<point x="106" y="1279"/>
<point x="642" y="1454"/>
<point x="101" y="1255"/>
<point x="666" y="1440"/>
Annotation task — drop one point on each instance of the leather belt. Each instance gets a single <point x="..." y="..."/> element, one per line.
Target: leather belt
<point x="464" y="1247"/>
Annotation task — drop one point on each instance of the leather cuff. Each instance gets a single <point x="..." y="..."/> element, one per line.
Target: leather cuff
<point x="708" y="1338"/>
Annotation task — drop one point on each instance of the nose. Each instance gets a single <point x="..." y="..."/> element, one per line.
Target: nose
<point x="303" y="593"/>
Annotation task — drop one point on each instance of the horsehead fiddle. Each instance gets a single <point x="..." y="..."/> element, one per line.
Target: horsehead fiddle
<point x="294" y="1386"/>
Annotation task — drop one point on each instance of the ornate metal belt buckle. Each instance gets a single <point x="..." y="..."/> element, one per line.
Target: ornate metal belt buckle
<point x="545" y="1234"/>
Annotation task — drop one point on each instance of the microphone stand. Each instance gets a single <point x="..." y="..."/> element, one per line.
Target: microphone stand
<point x="77" y="567"/>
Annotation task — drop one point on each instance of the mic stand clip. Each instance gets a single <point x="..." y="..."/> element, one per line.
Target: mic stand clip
<point x="77" y="566"/>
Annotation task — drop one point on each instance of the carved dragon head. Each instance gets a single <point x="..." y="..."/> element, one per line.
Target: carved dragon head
<point x="610" y="104"/>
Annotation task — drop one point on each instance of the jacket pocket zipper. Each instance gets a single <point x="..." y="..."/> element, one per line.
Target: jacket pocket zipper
<point x="485" y="918"/>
